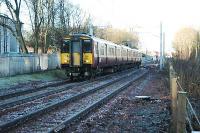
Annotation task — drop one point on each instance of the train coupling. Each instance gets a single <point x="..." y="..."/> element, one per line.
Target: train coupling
<point x="74" y="74"/>
<point x="86" y="74"/>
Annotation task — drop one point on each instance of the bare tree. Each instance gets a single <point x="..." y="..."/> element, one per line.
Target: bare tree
<point x="14" y="9"/>
<point x="78" y="18"/>
<point x="185" y="42"/>
<point x="36" y="17"/>
<point x="72" y="18"/>
<point x="52" y="19"/>
<point x="43" y="22"/>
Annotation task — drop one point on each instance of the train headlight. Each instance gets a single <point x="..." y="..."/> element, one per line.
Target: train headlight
<point x="87" y="61"/>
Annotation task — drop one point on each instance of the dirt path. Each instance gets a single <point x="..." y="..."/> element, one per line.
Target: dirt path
<point x="125" y="113"/>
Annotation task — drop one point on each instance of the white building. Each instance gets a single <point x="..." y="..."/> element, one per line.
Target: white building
<point x="8" y="42"/>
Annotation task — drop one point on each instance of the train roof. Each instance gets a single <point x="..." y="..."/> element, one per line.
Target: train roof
<point x="101" y="40"/>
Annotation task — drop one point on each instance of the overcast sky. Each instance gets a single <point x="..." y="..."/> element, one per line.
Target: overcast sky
<point x="142" y="15"/>
<point x="145" y="16"/>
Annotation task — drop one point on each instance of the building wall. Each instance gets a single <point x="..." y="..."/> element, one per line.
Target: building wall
<point x="14" y="64"/>
<point x="8" y="42"/>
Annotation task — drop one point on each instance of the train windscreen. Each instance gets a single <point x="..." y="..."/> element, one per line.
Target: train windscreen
<point x="65" y="46"/>
<point x="87" y="47"/>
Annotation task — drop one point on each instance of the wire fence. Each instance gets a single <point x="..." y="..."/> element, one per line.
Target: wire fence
<point x="191" y="115"/>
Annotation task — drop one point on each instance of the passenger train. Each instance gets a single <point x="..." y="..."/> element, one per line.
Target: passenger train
<point x="85" y="56"/>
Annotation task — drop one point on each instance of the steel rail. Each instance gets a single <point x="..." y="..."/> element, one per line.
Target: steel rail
<point x="7" y="125"/>
<point x="41" y="93"/>
<point x="59" y="83"/>
<point x="92" y="107"/>
<point x="23" y="92"/>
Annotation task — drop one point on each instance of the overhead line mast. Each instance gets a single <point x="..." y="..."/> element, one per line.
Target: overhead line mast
<point x="161" y="47"/>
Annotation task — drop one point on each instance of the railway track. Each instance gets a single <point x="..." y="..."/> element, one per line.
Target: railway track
<point x="23" y="96"/>
<point x="14" y="92"/>
<point x="19" y="114"/>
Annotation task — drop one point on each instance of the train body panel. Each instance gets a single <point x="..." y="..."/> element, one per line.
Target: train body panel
<point x="83" y="54"/>
<point x="88" y="58"/>
<point x="64" y="58"/>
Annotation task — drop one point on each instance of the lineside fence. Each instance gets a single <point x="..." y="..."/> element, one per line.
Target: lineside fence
<point x="13" y="64"/>
<point x="184" y="117"/>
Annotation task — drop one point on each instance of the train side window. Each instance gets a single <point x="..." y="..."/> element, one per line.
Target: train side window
<point x="115" y="51"/>
<point x="111" y="52"/>
<point x="119" y="52"/>
<point x="102" y="50"/>
<point x="106" y="49"/>
<point x="124" y="53"/>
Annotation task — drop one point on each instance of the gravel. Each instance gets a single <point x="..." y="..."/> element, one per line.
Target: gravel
<point x="125" y="113"/>
<point x="51" y="119"/>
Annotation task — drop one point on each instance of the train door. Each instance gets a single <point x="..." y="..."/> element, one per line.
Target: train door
<point x="76" y="56"/>
<point x="127" y="55"/>
<point x="97" y="53"/>
<point x="106" y="48"/>
<point x="115" y="53"/>
<point x="122" y="55"/>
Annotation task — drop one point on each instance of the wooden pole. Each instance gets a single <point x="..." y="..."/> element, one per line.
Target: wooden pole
<point x="170" y="75"/>
<point x="174" y="103"/>
<point x="181" y="119"/>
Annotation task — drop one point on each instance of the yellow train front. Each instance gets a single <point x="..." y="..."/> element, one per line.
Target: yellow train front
<point x="76" y="55"/>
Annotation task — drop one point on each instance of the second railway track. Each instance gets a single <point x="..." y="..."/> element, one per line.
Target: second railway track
<point x="25" y="95"/>
<point x="62" y="108"/>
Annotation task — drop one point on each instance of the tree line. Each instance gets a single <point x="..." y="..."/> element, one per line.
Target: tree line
<point x="187" y="57"/>
<point x="52" y="19"/>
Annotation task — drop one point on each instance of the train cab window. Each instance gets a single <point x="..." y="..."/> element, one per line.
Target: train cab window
<point x="65" y="46"/>
<point x="87" y="47"/>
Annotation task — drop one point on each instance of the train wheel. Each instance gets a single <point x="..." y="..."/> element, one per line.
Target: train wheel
<point x="71" y="77"/>
<point x="93" y="75"/>
<point x="138" y="66"/>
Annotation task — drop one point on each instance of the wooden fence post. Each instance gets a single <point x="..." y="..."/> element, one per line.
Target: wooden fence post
<point x="174" y="103"/>
<point x="181" y="108"/>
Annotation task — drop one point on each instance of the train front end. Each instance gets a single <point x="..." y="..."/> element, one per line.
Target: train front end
<point x="76" y="55"/>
